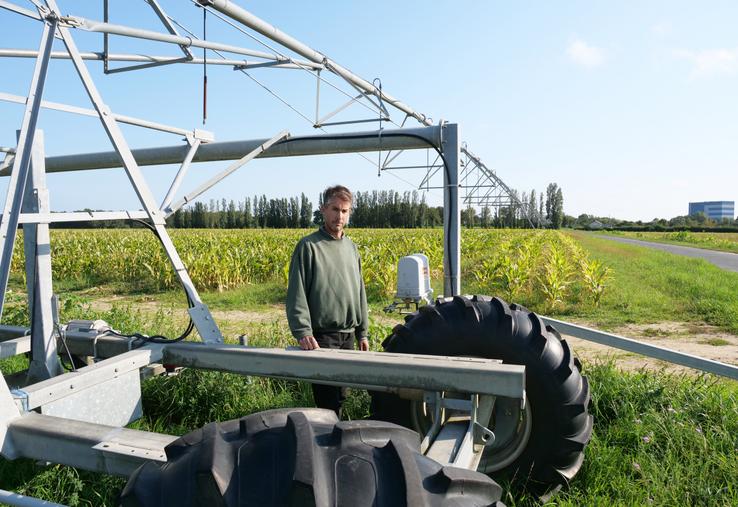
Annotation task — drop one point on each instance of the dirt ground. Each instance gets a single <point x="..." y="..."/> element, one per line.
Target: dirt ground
<point x="700" y="340"/>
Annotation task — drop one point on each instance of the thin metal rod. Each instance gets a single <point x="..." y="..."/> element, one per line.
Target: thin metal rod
<point x="226" y="172"/>
<point x="106" y="37"/>
<point x="411" y="167"/>
<point x="170" y="27"/>
<point x="79" y="216"/>
<point x="339" y="109"/>
<point x="22" y="161"/>
<point x="7" y="97"/>
<point x="241" y="15"/>
<point x="646" y="349"/>
<point x="118" y="70"/>
<point x="180" y="175"/>
<point x="123" y="57"/>
<point x="125" y="31"/>
<point x="19" y="10"/>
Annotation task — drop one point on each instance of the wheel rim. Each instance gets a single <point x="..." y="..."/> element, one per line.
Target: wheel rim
<point x="511" y="425"/>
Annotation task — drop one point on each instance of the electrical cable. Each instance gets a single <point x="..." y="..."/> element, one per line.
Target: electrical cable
<point x="158" y="338"/>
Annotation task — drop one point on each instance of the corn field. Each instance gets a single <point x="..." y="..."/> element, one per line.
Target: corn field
<point x="533" y="267"/>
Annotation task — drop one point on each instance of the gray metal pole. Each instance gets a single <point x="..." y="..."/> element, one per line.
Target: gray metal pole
<point x="19" y="172"/>
<point x="451" y="212"/>
<point x="405" y="139"/>
<point x="116" y="57"/>
<point x="44" y="360"/>
<point x="646" y="349"/>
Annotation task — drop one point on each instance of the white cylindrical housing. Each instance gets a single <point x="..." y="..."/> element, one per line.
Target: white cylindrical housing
<point x="413" y="277"/>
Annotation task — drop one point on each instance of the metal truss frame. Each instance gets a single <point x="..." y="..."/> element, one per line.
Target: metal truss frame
<point x="62" y="417"/>
<point x="485" y="190"/>
<point x="38" y="216"/>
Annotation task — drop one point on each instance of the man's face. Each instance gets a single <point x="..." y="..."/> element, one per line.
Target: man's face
<point x="335" y="216"/>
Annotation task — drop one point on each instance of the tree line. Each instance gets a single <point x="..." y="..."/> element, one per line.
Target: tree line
<point x="373" y="209"/>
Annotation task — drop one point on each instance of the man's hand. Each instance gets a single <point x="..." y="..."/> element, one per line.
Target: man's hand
<point x="364" y="344"/>
<point x="308" y="343"/>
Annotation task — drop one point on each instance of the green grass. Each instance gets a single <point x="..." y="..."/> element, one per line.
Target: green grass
<point x="723" y="242"/>
<point x="659" y="438"/>
<point x="651" y="286"/>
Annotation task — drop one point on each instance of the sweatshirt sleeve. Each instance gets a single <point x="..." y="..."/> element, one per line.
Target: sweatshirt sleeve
<point x="363" y="327"/>
<point x="298" y="311"/>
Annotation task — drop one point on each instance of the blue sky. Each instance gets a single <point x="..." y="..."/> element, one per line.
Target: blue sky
<point x="630" y="107"/>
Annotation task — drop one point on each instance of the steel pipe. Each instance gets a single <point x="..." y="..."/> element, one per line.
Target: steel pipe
<point x="646" y="349"/>
<point x="404" y="139"/>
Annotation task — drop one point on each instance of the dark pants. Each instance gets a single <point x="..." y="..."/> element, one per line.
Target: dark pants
<point x="332" y="397"/>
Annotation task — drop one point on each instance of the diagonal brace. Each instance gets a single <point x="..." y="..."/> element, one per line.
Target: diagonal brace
<point x="226" y="172"/>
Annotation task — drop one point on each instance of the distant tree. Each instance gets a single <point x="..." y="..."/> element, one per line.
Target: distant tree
<point x="247" y="219"/>
<point x="541" y="216"/>
<point x="485" y="219"/>
<point x="557" y="209"/>
<point x="533" y="208"/>
<point x="306" y="211"/>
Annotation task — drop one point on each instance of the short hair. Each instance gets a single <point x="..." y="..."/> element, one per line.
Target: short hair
<point x="337" y="192"/>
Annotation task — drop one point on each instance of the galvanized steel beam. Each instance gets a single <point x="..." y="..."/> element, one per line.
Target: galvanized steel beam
<point x="94" y="447"/>
<point x="405" y="139"/>
<point x="646" y="349"/>
<point x="53" y="389"/>
<point x="15" y="346"/>
<point x="37" y="248"/>
<point x="350" y="367"/>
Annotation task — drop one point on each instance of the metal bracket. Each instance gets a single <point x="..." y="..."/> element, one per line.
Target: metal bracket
<point x="21" y="399"/>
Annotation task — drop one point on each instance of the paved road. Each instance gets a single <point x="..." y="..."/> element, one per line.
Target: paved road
<point x="725" y="260"/>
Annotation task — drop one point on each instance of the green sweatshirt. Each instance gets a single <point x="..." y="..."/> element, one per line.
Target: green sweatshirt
<point x="326" y="290"/>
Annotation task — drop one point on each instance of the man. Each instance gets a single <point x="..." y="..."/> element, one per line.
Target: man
<point x="326" y="298"/>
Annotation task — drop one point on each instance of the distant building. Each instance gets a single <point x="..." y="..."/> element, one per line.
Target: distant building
<point x="714" y="210"/>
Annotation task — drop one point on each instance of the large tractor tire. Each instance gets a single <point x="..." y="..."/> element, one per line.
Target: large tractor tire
<point x="303" y="457"/>
<point x="541" y="446"/>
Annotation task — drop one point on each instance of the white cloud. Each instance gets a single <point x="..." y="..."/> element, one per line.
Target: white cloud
<point x="710" y="62"/>
<point x="662" y="28"/>
<point x="583" y="54"/>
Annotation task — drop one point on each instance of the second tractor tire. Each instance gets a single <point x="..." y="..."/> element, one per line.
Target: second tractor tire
<point x="547" y="448"/>
<point x="303" y="457"/>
